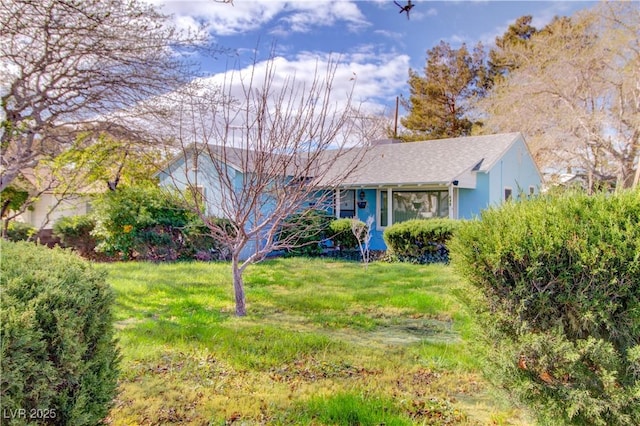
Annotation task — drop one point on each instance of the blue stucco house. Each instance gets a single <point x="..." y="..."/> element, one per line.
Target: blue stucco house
<point x="454" y="178"/>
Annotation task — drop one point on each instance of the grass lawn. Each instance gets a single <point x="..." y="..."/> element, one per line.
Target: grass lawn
<point x="324" y="342"/>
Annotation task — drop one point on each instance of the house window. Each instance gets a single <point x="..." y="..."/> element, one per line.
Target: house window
<point x="407" y="205"/>
<point x="384" y="208"/>
<point x="508" y="193"/>
<point x="348" y="203"/>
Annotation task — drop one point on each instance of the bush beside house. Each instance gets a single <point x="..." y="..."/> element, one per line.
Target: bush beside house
<point x="150" y="224"/>
<point x="561" y="279"/>
<point x="18" y="231"/>
<point x="75" y="232"/>
<point x="416" y="241"/>
<point x="199" y="244"/>
<point x="58" y="355"/>
<point x="342" y="233"/>
<point x="139" y="223"/>
<point x="306" y="231"/>
<point x="420" y="240"/>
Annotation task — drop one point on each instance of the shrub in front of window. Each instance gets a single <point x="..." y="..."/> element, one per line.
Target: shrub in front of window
<point x="342" y="233"/>
<point x="420" y="240"/>
<point x="305" y="232"/>
<point x="201" y="245"/>
<point x="58" y="354"/>
<point x="561" y="279"/>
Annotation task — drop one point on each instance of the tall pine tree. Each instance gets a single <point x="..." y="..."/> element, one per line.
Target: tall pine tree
<point x="439" y="101"/>
<point x="501" y="62"/>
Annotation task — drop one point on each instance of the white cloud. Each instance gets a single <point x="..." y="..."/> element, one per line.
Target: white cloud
<point x="421" y="15"/>
<point x="373" y="80"/>
<point x="376" y="79"/>
<point x="224" y="19"/>
<point x="393" y="35"/>
<point x="306" y="15"/>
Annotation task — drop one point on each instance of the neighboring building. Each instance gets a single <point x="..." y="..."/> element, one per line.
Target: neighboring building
<point x="454" y="178"/>
<point x="52" y="200"/>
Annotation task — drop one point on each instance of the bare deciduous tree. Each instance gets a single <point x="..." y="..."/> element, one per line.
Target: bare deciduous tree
<point x="67" y="63"/>
<point x="260" y="150"/>
<point x="576" y="93"/>
<point x="362" y="232"/>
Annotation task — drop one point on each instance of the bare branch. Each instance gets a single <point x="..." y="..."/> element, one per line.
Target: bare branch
<point x="67" y="64"/>
<point x="576" y="92"/>
<point x="263" y="147"/>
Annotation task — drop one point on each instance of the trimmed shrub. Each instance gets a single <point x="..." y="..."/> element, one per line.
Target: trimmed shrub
<point x="342" y="234"/>
<point x="19" y="231"/>
<point x="58" y="355"/>
<point x="75" y="232"/>
<point x="420" y="240"/>
<point x="305" y="232"/>
<point x="561" y="277"/>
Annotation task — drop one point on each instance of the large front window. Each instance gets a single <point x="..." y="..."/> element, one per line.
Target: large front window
<point x="406" y="205"/>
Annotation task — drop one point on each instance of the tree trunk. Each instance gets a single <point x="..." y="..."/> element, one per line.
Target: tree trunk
<point x="5" y="228"/>
<point x="238" y="286"/>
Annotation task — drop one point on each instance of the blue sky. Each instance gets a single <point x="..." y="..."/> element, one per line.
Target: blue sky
<point x="370" y="39"/>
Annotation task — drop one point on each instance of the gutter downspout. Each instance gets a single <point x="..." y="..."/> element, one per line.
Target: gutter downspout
<point x="451" y="215"/>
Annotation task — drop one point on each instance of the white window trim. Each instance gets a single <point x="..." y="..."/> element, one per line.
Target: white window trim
<point x="336" y="195"/>
<point x="379" y="226"/>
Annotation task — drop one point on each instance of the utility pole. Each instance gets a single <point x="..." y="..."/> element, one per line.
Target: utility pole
<point x="395" y="125"/>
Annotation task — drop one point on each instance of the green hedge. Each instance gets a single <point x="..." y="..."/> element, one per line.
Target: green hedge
<point x="140" y="223"/>
<point x="561" y="277"/>
<point x="342" y="233"/>
<point x="58" y="355"/>
<point x="420" y="240"/>
<point x="199" y="244"/>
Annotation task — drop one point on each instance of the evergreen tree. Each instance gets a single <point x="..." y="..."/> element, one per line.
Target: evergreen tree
<point x="438" y="105"/>
<point x="500" y="61"/>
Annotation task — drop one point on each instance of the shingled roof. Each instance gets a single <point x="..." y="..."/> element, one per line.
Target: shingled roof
<point x="433" y="162"/>
<point x="429" y="162"/>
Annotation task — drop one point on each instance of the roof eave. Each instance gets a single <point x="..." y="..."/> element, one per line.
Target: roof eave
<point x="394" y="184"/>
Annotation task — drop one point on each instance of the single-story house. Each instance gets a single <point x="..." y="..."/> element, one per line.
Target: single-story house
<point x="453" y="178"/>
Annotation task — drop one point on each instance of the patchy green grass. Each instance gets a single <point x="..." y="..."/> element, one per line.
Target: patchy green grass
<point x="325" y="342"/>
